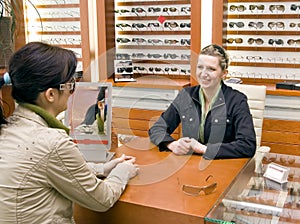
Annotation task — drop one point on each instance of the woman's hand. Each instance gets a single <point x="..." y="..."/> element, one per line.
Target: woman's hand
<point x="107" y="167"/>
<point x="184" y="145"/>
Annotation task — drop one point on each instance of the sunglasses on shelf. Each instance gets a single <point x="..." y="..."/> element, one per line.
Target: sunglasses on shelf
<point x="122" y="56"/>
<point x="171" y="24"/>
<point x="155" y="41"/>
<point x="170" y="9"/>
<point x="257" y="25"/>
<point x="121" y="11"/>
<point x="139" y="68"/>
<point x="238" y="24"/>
<point x="154" y="55"/>
<point x="236" y="40"/>
<point x="275" y="41"/>
<point x="156" y="69"/>
<point x="138" y="10"/>
<point x="292" y="25"/>
<point x="124" y="69"/>
<point x="239" y="8"/>
<point x="123" y="40"/>
<point x="258" y="41"/>
<point x="292" y="41"/>
<point x="185" y="41"/>
<point x="138" y="55"/>
<point x="294" y="7"/>
<point x="276" y="24"/>
<point x="154" y="9"/>
<point x="255" y="58"/>
<point x="153" y="25"/>
<point x="138" y="40"/>
<point x="185" y="9"/>
<point x="182" y="25"/>
<point x="281" y="8"/>
<point x="196" y="190"/>
<point x="172" y="56"/>
<point x="122" y="25"/>
<point x="171" y="41"/>
<point x="138" y="25"/>
<point x="258" y="7"/>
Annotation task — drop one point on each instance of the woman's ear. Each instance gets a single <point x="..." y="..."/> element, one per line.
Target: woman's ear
<point x="50" y="95"/>
<point x="225" y="72"/>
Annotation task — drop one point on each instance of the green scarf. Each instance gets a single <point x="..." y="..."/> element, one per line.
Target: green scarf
<point x="100" y="124"/>
<point x="51" y="120"/>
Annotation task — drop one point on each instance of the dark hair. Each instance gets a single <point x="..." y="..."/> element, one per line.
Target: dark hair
<point x="36" y="67"/>
<point x="216" y="50"/>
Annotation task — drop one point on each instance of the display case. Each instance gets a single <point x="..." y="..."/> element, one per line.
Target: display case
<point x="262" y="39"/>
<point x="253" y="198"/>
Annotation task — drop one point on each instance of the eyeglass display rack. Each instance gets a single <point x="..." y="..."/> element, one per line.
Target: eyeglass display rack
<point x="153" y="37"/>
<point x="253" y="198"/>
<point x="263" y="39"/>
<point x="55" y="22"/>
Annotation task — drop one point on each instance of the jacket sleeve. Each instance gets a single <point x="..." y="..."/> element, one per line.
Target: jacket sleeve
<point x="70" y="175"/>
<point x="160" y="132"/>
<point x="244" y="143"/>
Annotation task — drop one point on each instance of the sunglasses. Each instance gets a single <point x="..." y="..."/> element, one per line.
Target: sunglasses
<point x="236" y="40"/>
<point x="68" y="86"/>
<point x="138" y="10"/>
<point x="138" y="25"/>
<point x="154" y="41"/>
<point x="152" y="9"/>
<point x="291" y="42"/>
<point x="122" y="56"/>
<point x="258" y="41"/>
<point x="278" y="7"/>
<point x="182" y="25"/>
<point x="139" y="69"/>
<point x="294" y="7"/>
<point x="122" y="25"/>
<point x="276" y="24"/>
<point x="153" y="25"/>
<point x="275" y="41"/>
<point x="259" y="7"/>
<point x="121" y="11"/>
<point x="239" y="8"/>
<point x="185" y="9"/>
<point x="171" y="41"/>
<point x="258" y="25"/>
<point x="255" y="58"/>
<point x="123" y="40"/>
<point x="292" y="25"/>
<point x="171" y="9"/>
<point x="196" y="190"/>
<point x="172" y="56"/>
<point x="124" y="69"/>
<point x="171" y="24"/>
<point x="156" y="69"/>
<point x="138" y="40"/>
<point x="238" y="24"/>
<point x="185" y="57"/>
<point x="171" y="69"/>
<point x="154" y="55"/>
<point x="138" y="55"/>
<point x="185" y="41"/>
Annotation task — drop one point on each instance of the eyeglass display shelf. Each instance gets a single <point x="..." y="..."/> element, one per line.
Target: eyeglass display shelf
<point x="252" y="198"/>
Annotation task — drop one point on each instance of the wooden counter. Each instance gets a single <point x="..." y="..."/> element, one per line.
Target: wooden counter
<point x="155" y="195"/>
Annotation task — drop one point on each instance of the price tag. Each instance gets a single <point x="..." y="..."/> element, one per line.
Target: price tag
<point x="277" y="173"/>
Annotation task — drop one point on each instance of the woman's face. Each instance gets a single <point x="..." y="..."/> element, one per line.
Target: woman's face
<point x="209" y="72"/>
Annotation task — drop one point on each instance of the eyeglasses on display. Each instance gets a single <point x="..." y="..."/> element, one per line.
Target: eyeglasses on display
<point x="154" y="9"/>
<point x="155" y="41"/>
<point x="170" y="9"/>
<point x="258" y="41"/>
<point x="275" y="41"/>
<point x="153" y="25"/>
<point x="292" y="25"/>
<point x="156" y="69"/>
<point x="239" y="8"/>
<point x="259" y="7"/>
<point x="123" y="40"/>
<point x="236" y="40"/>
<point x="196" y="190"/>
<point x="68" y="86"/>
<point x="124" y="69"/>
<point x="138" y="10"/>
<point x="124" y="63"/>
<point x="185" y="57"/>
<point x="275" y="24"/>
<point x="294" y="7"/>
<point x="138" y="40"/>
<point x="185" y="41"/>
<point x="154" y="55"/>
<point x="139" y="68"/>
<point x="257" y="25"/>
<point x="171" y="25"/>
<point x="121" y="11"/>
<point x="172" y="56"/>
<point x="255" y="58"/>
<point x="281" y="8"/>
<point x="183" y="25"/>
<point x="122" y="25"/>
<point x="138" y="25"/>
<point x="292" y="41"/>
<point x="120" y="56"/>
<point x="170" y="41"/>
<point x="138" y="55"/>
<point x="238" y="24"/>
<point x="185" y="9"/>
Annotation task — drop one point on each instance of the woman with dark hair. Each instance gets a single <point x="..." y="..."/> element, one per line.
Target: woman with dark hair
<point x="42" y="171"/>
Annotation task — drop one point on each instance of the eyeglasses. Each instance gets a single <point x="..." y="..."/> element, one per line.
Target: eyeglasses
<point x="291" y="42"/>
<point x="138" y="68"/>
<point x="123" y="40"/>
<point x="258" y="41"/>
<point x="185" y="41"/>
<point x="171" y="69"/>
<point x="172" y="56"/>
<point x="171" y="41"/>
<point x="68" y="86"/>
<point x="154" y="9"/>
<point x="137" y="10"/>
<point x="276" y="41"/>
<point x="185" y="57"/>
<point x="122" y="56"/>
<point x="182" y="25"/>
<point x="138" y="40"/>
<point x="138" y="25"/>
<point x="171" y="9"/>
<point x="154" y="55"/>
<point x="154" y="41"/>
<point x="121" y="11"/>
<point x="196" y="190"/>
<point x="277" y="24"/>
<point x="236" y="40"/>
<point x="171" y="24"/>
<point x="255" y="58"/>
<point x="238" y="24"/>
<point x="138" y="55"/>
<point x="124" y="69"/>
<point x="294" y="7"/>
<point x="156" y="69"/>
<point x="185" y="9"/>
<point x="258" y="25"/>
<point x="278" y="7"/>
<point x="239" y="8"/>
<point x="122" y="25"/>
<point x="153" y="25"/>
<point x="292" y="25"/>
<point x="259" y="7"/>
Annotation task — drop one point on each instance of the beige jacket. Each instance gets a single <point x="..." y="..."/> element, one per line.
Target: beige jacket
<point x="42" y="173"/>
